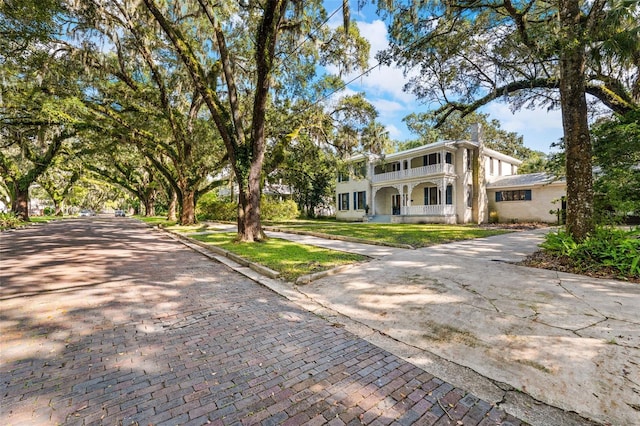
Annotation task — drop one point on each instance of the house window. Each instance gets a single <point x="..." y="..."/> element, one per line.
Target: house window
<point x="431" y="196"/>
<point x="343" y="177"/>
<point x="359" y="200"/>
<point x="518" y="195"/>
<point x="449" y="195"/>
<point x="429" y="159"/>
<point x="448" y="158"/>
<point x="395" y="167"/>
<point x="360" y="169"/>
<point x="470" y="196"/>
<point x="343" y="201"/>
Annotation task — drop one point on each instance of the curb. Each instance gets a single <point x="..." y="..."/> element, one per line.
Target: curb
<point x="190" y="242"/>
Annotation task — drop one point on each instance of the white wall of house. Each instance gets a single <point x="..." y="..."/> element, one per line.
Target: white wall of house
<point x="401" y="178"/>
<point x="353" y="213"/>
<point x="535" y="210"/>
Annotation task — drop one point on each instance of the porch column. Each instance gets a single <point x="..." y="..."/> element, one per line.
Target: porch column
<point x="410" y="187"/>
<point x="372" y="202"/>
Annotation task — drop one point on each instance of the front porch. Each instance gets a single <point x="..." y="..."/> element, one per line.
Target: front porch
<point x="415" y="202"/>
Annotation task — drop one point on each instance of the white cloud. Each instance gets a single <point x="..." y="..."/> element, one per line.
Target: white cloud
<point x="394" y="132"/>
<point x="383" y="87"/>
<point x="539" y="127"/>
<point x="388" y="107"/>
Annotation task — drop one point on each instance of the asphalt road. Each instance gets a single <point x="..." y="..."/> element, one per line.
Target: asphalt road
<point x="106" y="321"/>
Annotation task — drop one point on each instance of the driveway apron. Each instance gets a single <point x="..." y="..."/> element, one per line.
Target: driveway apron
<point x="569" y="341"/>
<point x="104" y="321"/>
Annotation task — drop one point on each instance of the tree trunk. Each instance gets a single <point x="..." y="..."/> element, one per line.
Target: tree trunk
<point x="57" y="206"/>
<point x="173" y="202"/>
<point x="575" y="123"/>
<point x="188" y="212"/>
<point x="249" y="223"/>
<point x="21" y="203"/>
<point x="149" y="207"/>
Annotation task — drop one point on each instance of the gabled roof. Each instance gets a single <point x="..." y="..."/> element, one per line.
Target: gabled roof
<point x="531" y="179"/>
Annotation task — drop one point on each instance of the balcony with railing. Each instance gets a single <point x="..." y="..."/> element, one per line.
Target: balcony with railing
<point x="416" y="172"/>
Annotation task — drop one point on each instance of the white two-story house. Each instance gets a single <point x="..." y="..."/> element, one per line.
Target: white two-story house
<point x="444" y="182"/>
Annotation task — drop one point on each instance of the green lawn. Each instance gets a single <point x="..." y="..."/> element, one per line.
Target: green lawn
<point x="416" y="235"/>
<point x="156" y="220"/>
<point x="293" y="260"/>
<point x="290" y="259"/>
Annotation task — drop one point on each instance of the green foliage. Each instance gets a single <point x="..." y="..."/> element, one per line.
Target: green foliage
<point x="457" y="127"/>
<point x="9" y="220"/>
<point x="278" y="210"/>
<point x="211" y="207"/>
<point x="616" y="143"/>
<point x="607" y="248"/>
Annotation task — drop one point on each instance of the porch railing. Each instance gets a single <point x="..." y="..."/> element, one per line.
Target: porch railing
<point x="433" y="210"/>
<point x="433" y="169"/>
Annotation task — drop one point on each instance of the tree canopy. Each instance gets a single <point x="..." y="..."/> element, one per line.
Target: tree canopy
<point x="530" y="53"/>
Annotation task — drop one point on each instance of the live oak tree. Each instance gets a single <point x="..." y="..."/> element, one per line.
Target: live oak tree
<point x="122" y="164"/>
<point x="39" y="108"/>
<point x="58" y="180"/>
<point x="242" y="58"/>
<point x="425" y="125"/>
<point x="148" y="99"/>
<point x="39" y="114"/>
<point x="529" y="53"/>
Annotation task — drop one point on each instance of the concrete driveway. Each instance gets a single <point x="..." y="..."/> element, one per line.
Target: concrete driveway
<point x="566" y="340"/>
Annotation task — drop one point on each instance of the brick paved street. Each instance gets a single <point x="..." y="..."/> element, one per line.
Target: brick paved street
<point x="104" y="321"/>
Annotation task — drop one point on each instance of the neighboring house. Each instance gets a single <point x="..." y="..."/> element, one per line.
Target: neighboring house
<point x="444" y="182"/>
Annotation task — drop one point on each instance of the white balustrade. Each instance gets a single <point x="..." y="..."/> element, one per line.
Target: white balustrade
<point x="415" y="172"/>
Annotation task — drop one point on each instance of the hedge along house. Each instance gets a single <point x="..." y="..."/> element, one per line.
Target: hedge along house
<point x="443" y="182"/>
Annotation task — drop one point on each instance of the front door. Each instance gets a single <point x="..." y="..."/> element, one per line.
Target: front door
<point x="395" y="203"/>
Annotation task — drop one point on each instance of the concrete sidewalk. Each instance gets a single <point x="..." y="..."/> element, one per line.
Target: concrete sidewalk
<point x="566" y="340"/>
<point x="525" y="339"/>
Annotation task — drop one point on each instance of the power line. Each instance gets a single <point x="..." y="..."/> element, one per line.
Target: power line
<point x="311" y="33"/>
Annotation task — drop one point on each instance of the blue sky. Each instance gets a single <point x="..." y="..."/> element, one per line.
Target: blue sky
<point x="383" y="88"/>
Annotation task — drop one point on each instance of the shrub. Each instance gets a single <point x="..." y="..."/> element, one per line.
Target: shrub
<point x="9" y="220"/>
<point x="494" y="217"/>
<point x="210" y="207"/>
<point x="279" y="210"/>
<point x="607" y="248"/>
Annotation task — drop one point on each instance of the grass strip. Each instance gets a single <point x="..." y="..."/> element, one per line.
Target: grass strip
<point x="291" y="259"/>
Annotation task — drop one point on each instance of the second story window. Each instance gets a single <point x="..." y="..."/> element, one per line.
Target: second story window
<point x="448" y="158"/>
<point x="360" y="170"/>
<point x="431" y="159"/>
<point x="343" y="177"/>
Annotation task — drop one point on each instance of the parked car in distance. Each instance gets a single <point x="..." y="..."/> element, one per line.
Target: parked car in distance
<point x="87" y="212"/>
<point x="120" y="213"/>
